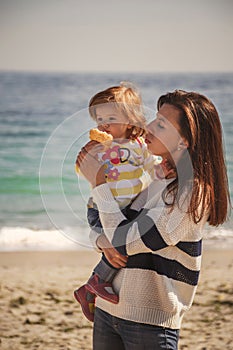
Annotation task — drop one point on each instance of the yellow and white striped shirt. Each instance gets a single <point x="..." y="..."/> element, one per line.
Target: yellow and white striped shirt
<point x="126" y="165"/>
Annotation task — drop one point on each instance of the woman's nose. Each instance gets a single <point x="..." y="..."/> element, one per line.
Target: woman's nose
<point x="150" y="128"/>
<point x="147" y="130"/>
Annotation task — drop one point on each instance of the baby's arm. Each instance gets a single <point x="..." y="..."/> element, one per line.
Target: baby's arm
<point x="111" y="257"/>
<point x="93" y="217"/>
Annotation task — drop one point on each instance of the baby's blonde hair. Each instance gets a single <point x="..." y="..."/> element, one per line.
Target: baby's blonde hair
<point x="127" y="100"/>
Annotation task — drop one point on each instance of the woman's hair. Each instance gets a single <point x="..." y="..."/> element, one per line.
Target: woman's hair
<point x="127" y="100"/>
<point x="200" y="126"/>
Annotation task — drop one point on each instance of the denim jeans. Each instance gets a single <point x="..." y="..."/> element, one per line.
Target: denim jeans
<point x="117" y="334"/>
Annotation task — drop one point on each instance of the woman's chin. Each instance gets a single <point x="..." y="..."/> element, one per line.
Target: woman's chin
<point x="150" y="147"/>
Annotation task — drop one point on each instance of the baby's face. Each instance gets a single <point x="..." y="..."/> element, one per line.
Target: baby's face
<point x="110" y="120"/>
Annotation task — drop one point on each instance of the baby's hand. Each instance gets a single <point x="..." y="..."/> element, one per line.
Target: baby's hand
<point x="164" y="170"/>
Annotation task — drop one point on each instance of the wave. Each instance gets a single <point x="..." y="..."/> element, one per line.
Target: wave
<point x="27" y="239"/>
<point x="34" y="239"/>
<point x="221" y="237"/>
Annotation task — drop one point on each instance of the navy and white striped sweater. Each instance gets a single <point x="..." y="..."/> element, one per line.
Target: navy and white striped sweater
<point x="164" y="248"/>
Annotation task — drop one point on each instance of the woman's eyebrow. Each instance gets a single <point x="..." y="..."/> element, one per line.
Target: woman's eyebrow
<point x="160" y="117"/>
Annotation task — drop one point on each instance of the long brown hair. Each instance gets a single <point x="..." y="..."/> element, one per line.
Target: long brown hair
<point x="127" y="100"/>
<point x="200" y="125"/>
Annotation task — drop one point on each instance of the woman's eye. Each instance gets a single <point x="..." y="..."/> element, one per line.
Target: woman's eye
<point x="160" y="126"/>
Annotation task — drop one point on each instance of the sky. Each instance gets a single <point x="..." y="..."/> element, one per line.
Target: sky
<point x="116" y="35"/>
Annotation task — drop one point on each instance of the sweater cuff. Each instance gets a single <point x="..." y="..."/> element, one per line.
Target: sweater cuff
<point x="104" y="199"/>
<point x="93" y="236"/>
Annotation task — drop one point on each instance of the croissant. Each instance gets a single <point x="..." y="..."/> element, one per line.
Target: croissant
<point x="99" y="136"/>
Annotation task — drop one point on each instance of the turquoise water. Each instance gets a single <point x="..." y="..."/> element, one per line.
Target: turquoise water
<point x="43" y="123"/>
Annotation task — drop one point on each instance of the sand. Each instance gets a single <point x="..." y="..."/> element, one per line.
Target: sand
<point x="38" y="310"/>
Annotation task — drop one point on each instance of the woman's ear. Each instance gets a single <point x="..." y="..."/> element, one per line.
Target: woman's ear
<point x="183" y="144"/>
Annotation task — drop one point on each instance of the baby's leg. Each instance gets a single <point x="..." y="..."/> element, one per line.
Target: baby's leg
<point x="105" y="270"/>
<point x="100" y="283"/>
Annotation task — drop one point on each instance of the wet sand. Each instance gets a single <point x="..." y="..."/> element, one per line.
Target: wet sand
<point x="38" y="310"/>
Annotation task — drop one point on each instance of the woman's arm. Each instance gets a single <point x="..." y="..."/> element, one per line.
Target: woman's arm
<point x="155" y="227"/>
<point x="92" y="169"/>
<point x="100" y="241"/>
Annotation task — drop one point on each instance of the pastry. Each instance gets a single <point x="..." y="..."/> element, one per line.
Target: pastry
<point x="99" y="136"/>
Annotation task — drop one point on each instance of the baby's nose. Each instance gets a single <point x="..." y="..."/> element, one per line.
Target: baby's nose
<point x="103" y="126"/>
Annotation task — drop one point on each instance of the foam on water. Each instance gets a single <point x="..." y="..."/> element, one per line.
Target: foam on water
<point x="25" y="239"/>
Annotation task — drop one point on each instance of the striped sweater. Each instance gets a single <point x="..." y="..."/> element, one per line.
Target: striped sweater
<point x="159" y="282"/>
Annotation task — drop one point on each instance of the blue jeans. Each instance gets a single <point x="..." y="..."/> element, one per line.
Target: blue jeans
<point x="117" y="334"/>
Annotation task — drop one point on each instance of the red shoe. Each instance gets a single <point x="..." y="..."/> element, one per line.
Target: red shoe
<point x="103" y="290"/>
<point x="87" y="301"/>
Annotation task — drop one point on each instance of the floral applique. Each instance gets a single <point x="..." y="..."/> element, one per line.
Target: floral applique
<point x="116" y="155"/>
<point x="107" y="166"/>
<point x="113" y="174"/>
<point x="113" y="155"/>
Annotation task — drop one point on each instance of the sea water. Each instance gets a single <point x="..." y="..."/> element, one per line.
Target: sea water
<point x="43" y="123"/>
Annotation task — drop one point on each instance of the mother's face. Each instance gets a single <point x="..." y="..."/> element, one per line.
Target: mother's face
<point x="163" y="134"/>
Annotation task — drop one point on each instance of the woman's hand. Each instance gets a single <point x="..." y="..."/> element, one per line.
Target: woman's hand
<point x="112" y="255"/>
<point x="89" y="165"/>
<point x="115" y="258"/>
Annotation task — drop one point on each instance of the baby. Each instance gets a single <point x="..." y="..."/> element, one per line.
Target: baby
<point x="118" y="112"/>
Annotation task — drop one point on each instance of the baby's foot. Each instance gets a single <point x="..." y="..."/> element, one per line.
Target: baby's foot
<point x="87" y="301"/>
<point x="102" y="289"/>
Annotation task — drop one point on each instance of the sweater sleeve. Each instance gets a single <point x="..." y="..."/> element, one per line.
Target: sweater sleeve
<point x="152" y="229"/>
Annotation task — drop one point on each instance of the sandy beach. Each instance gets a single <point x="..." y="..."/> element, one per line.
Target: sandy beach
<point x="38" y="310"/>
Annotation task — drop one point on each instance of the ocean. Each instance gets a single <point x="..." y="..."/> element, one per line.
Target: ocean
<point x="43" y="123"/>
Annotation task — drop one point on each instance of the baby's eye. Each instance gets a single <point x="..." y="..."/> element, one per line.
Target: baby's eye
<point x="99" y="120"/>
<point x="111" y="119"/>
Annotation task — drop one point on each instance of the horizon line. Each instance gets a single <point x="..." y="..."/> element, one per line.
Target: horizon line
<point x="46" y="71"/>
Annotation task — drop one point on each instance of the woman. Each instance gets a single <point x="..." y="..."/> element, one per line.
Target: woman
<point x="164" y="237"/>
